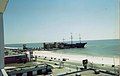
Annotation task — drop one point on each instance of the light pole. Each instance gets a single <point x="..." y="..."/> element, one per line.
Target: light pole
<point x="3" y="4"/>
<point x="119" y="66"/>
<point x="114" y="64"/>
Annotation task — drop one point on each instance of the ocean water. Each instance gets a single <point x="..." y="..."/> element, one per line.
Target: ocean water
<point x="107" y="48"/>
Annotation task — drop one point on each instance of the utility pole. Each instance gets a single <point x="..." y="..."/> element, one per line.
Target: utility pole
<point x="3" y="4"/>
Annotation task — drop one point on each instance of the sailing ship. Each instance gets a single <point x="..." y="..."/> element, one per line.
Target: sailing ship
<point x="63" y="45"/>
<point x="75" y="45"/>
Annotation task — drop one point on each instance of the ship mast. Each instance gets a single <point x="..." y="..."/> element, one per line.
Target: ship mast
<point x="63" y="40"/>
<point x="79" y="38"/>
<point x="71" y="38"/>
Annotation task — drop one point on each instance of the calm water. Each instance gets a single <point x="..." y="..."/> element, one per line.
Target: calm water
<point x="95" y="48"/>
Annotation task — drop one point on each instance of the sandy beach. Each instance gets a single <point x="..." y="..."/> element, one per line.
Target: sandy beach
<point x="79" y="58"/>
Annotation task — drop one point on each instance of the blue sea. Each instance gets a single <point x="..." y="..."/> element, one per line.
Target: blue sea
<point x="107" y="48"/>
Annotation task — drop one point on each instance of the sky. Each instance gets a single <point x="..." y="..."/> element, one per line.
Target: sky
<point x="31" y="21"/>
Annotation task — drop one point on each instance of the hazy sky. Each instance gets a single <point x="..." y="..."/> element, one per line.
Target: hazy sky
<point x="53" y="20"/>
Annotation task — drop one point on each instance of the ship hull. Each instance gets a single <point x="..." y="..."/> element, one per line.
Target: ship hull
<point x="55" y="45"/>
<point x="77" y="45"/>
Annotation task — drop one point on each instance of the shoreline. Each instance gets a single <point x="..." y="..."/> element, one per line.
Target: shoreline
<point x="78" y="58"/>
